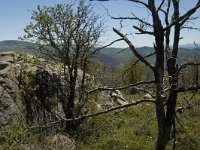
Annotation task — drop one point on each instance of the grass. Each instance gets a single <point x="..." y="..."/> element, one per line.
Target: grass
<point x="123" y="129"/>
<point x="134" y="128"/>
<point x="17" y="136"/>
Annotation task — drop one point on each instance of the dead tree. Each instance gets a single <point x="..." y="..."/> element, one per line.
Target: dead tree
<point x="165" y="95"/>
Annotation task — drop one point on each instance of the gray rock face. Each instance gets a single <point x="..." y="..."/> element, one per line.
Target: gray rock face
<point x="12" y="104"/>
<point x="108" y="99"/>
<point x="9" y="100"/>
<point x="9" y="111"/>
<point x="8" y="57"/>
<point x="4" y="64"/>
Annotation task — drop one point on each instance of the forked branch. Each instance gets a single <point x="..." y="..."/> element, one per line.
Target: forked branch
<point x="124" y="87"/>
<point x="133" y="49"/>
<point x="103" y="112"/>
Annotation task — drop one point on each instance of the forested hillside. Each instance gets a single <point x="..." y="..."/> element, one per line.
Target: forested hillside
<point x="110" y="56"/>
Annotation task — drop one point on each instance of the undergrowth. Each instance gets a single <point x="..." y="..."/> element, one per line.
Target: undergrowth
<point x="17" y="137"/>
<point x="134" y="128"/>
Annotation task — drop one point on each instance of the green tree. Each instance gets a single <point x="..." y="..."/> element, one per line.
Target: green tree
<point x="132" y="72"/>
<point x="68" y="33"/>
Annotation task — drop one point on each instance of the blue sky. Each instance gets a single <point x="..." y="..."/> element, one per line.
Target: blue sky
<point x="16" y="14"/>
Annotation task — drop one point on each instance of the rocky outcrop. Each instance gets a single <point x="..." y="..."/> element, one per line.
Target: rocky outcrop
<point x="9" y="109"/>
<point x="110" y="98"/>
<point x="4" y="64"/>
<point x="9" y="99"/>
<point x="26" y="73"/>
<point x="12" y="102"/>
<point x="21" y="73"/>
<point x="147" y="96"/>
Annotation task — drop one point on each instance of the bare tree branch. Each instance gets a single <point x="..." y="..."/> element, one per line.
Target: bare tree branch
<point x="143" y="31"/>
<point x="108" y="44"/>
<point x="103" y="112"/>
<point x="182" y="19"/>
<point x="185" y="65"/>
<point x="125" y="87"/>
<point x="190" y="28"/>
<point x="131" y="46"/>
<point x="188" y="106"/>
<point x="187" y="88"/>
<point x="160" y="6"/>
<point x="133" y="18"/>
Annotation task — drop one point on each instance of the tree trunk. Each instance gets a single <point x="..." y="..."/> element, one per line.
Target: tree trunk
<point x="70" y="126"/>
<point x="165" y="128"/>
<point x="161" y="142"/>
<point x="160" y="112"/>
<point x="166" y="121"/>
<point x="161" y="137"/>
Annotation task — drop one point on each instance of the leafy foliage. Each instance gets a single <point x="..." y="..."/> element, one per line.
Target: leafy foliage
<point x="68" y="33"/>
<point x="132" y="72"/>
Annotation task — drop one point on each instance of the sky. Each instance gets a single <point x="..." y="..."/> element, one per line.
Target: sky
<point x="16" y="14"/>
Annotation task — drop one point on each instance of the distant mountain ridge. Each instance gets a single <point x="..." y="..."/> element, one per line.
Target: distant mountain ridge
<point x="110" y="55"/>
<point x="190" y="46"/>
<point x="16" y="46"/>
